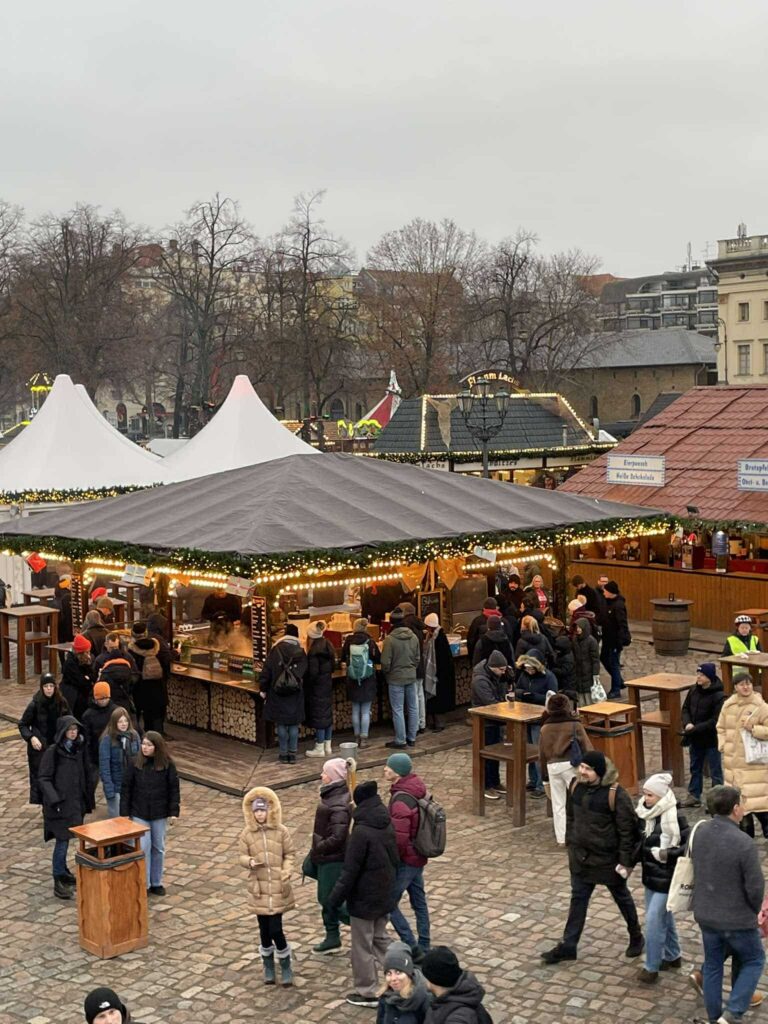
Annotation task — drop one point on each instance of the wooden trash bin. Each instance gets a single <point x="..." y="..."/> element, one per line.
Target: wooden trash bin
<point x="111" y="887"/>
<point x="671" y="626"/>
<point x="612" y="730"/>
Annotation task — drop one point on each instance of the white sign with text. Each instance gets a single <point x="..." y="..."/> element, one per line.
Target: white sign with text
<point x="636" y="470"/>
<point x="753" y="475"/>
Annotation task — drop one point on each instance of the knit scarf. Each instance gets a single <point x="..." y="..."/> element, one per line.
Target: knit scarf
<point x="430" y="665"/>
<point x="666" y="809"/>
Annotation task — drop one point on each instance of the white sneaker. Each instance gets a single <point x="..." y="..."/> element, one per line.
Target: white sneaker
<point x="491" y="794"/>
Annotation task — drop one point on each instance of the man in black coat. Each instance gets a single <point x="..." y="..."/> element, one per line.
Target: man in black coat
<point x="601" y="835"/>
<point x="701" y="710"/>
<point x="367" y="883"/>
<point x="616" y="636"/>
<point x="95" y="721"/>
<point x="65" y="784"/>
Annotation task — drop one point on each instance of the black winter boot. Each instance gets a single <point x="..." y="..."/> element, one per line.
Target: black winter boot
<point x="61" y="889"/>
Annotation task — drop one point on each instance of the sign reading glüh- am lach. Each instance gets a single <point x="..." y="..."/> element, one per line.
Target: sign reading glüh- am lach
<point x="753" y="475"/>
<point x="636" y="470"/>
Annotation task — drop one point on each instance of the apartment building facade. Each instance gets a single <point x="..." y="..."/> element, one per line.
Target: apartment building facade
<point x="686" y="298"/>
<point x="742" y="269"/>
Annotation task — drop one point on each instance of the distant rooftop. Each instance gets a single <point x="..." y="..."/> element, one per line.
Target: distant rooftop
<point x="671" y="346"/>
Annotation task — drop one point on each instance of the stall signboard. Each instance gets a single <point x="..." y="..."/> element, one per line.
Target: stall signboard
<point x="259" y="630"/>
<point x="636" y="470"/>
<point x="753" y="475"/>
<point x="430" y="601"/>
<point x="238" y="586"/>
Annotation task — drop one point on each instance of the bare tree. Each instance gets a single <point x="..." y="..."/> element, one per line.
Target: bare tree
<point x="204" y="268"/>
<point x="311" y="269"/>
<point x="412" y="294"/>
<point x="531" y="315"/>
<point x="69" y="298"/>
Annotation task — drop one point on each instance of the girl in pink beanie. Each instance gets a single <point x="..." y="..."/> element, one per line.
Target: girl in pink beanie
<point x="329" y="843"/>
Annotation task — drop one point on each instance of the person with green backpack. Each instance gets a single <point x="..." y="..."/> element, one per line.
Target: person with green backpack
<point x="362" y="657"/>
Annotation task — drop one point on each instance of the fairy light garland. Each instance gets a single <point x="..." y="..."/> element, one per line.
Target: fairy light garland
<point x="64" y="496"/>
<point x="271" y="568"/>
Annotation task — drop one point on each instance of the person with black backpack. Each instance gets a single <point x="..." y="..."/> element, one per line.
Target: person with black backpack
<point x="362" y="657"/>
<point x="406" y="790"/>
<point x="602" y="834"/>
<point x="282" y="690"/>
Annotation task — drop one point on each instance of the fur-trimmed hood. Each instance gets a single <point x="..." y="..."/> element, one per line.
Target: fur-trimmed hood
<point x="611" y="773"/>
<point x="274" y="812"/>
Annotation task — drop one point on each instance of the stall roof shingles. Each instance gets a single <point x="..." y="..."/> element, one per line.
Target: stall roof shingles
<point x="532" y="423"/>
<point x="703" y="435"/>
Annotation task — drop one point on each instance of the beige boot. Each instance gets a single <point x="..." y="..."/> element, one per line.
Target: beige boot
<point x="328" y="748"/>
<point x="317" y="751"/>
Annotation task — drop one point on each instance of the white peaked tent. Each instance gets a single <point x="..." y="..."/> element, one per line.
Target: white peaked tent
<point x="70" y="446"/>
<point x="242" y="433"/>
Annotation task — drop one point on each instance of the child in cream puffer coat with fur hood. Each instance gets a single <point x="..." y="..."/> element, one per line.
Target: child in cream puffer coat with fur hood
<point x="266" y="850"/>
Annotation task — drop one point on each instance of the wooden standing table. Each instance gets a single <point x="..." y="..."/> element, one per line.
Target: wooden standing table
<point x="516" y="716"/>
<point x="130" y="590"/>
<point x="38" y="595"/>
<point x="756" y="663"/>
<point x="22" y="615"/>
<point x="668" y="719"/>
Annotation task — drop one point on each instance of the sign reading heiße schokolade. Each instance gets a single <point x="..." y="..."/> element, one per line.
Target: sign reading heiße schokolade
<point x="636" y="470"/>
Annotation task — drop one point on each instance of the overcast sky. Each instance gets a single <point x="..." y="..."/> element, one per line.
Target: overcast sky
<point x="626" y="129"/>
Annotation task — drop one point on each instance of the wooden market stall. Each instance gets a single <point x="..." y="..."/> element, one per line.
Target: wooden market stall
<point x="308" y="537"/>
<point x="704" y="461"/>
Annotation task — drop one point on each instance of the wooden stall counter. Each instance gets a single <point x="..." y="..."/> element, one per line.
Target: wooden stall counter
<point x="516" y="752"/>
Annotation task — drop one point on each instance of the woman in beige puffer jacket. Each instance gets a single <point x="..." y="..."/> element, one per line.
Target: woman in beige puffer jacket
<point x="745" y="709"/>
<point x="266" y="850"/>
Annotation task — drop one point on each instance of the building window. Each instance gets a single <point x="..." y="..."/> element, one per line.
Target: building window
<point x="765" y="310"/>
<point x="593" y="414"/>
<point x="743" y="312"/>
<point x="745" y="360"/>
<point x="765" y="357"/>
<point x="635" y="407"/>
<point x="337" y="409"/>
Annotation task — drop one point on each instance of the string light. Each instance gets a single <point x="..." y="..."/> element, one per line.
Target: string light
<point x="64" y="496"/>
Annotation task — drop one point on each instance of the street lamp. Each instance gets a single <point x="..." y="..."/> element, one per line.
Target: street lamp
<point x="483" y="413"/>
<point x="722" y="345"/>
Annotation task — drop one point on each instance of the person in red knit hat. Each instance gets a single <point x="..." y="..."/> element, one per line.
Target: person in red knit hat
<point x="78" y="676"/>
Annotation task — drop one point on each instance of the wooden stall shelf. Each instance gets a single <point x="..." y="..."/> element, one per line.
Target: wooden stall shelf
<point x="111" y="887"/>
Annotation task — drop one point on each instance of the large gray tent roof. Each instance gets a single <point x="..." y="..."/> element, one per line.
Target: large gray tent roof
<point x="304" y="503"/>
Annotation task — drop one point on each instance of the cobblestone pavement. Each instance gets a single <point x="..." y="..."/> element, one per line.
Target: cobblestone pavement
<point x="499" y="896"/>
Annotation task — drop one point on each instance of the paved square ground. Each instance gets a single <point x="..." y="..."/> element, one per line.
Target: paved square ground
<point x="499" y="896"/>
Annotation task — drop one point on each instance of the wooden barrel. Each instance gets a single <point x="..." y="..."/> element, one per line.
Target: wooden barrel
<point x="671" y="626"/>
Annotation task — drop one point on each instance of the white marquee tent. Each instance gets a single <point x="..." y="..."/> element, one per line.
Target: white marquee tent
<point x="69" y="446"/>
<point x="242" y="433"/>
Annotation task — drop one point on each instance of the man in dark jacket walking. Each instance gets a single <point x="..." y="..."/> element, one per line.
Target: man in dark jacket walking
<point x="65" y="784"/>
<point x="367" y="883"/>
<point x="458" y="995"/>
<point x="701" y="710"/>
<point x="601" y="836"/>
<point x="616" y="636"/>
<point x="406" y="789"/>
<point x="727" y="897"/>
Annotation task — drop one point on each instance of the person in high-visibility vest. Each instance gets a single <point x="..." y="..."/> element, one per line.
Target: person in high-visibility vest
<point x="742" y="640"/>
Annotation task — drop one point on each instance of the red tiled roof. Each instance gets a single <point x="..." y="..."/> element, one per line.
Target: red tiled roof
<point x="703" y="435"/>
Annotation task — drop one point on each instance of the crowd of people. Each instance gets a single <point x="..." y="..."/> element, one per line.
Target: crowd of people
<point x="369" y="855"/>
<point x="414" y="662"/>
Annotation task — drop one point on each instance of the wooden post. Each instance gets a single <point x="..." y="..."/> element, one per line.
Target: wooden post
<point x="560" y="579"/>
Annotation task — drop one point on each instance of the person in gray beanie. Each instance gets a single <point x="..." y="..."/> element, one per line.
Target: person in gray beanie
<point x="404" y="997"/>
